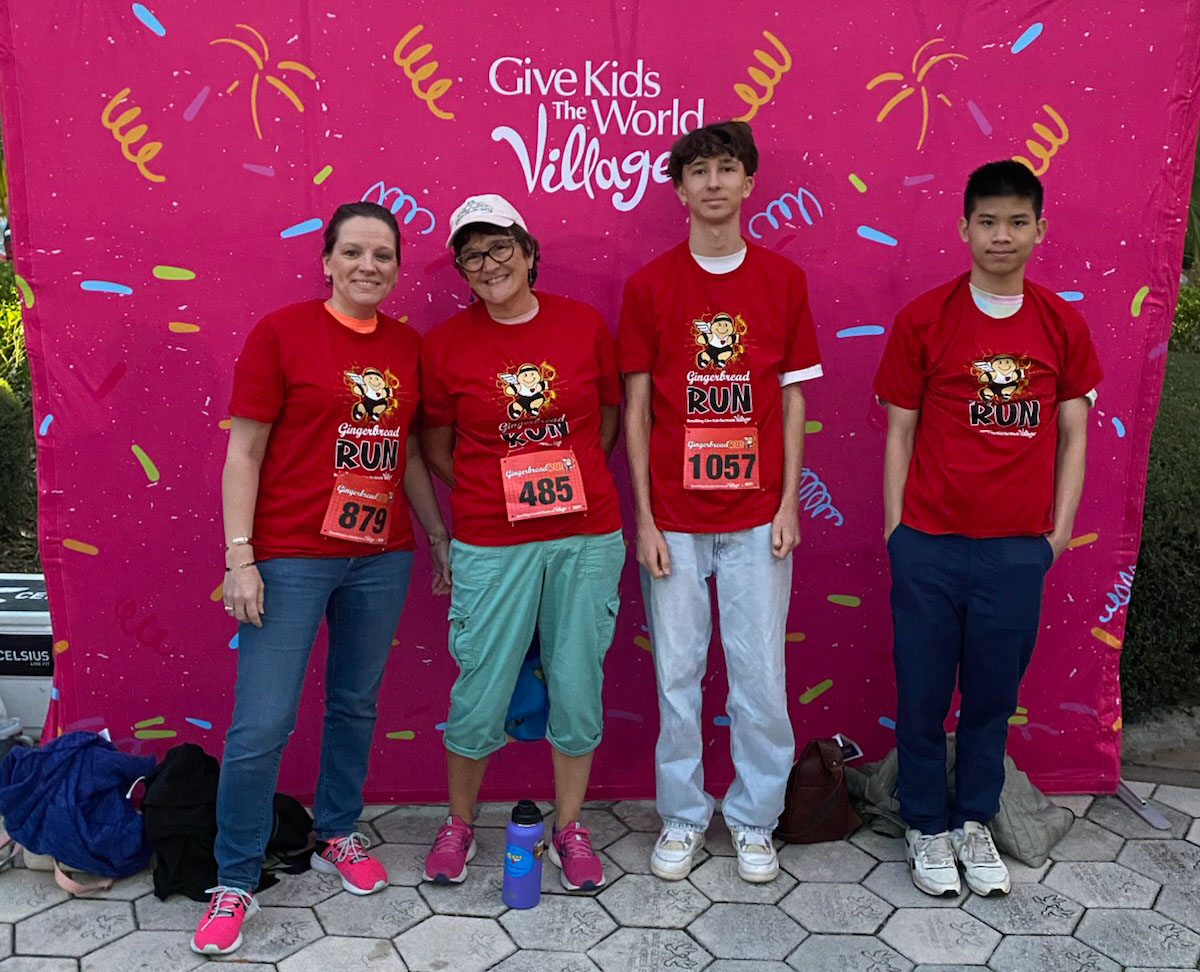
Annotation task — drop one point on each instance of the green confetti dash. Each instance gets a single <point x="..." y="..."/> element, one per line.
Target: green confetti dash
<point x="819" y="689"/>
<point x="148" y="466"/>
<point x="402" y="734"/>
<point x="845" y="600"/>
<point x="1135" y="308"/>
<point x="165" y="272"/>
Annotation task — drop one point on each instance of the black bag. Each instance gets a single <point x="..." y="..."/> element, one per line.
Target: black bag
<point x="816" y="805"/>
<point x="180" y="815"/>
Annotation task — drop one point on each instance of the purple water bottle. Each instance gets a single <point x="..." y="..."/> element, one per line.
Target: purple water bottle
<point x="524" y="845"/>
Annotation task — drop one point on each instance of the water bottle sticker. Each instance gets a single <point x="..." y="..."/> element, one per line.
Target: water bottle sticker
<point x="517" y="861"/>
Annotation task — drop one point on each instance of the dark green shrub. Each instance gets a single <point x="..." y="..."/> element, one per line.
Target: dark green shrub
<point x="1185" y="330"/>
<point x="16" y="467"/>
<point x="1160" y="663"/>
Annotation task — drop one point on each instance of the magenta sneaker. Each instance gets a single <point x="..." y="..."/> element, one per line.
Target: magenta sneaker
<point x="571" y="850"/>
<point x="220" y="930"/>
<point x="348" y="858"/>
<point x="454" y="845"/>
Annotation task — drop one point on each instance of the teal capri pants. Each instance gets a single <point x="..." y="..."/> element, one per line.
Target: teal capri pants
<point x="568" y="589"/>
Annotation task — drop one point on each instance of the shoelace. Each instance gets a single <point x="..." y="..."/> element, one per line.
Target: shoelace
<point x="226" y="902"/>
<point x="352" y="848"/>
<point x="450" y="836"/>
<point x="978" y="847"/>
<point x="747" y="839"/>
<point x="935" y="850"/>
<point x="676" y="838"/>
<point x="577" y="843"/>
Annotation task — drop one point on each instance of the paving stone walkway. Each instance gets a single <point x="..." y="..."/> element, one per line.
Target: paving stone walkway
<point x="1115" y="895"/>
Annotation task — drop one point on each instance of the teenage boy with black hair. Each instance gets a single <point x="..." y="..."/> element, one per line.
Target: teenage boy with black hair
<point x="987" y="382"/>
<point x="715" y="339"/>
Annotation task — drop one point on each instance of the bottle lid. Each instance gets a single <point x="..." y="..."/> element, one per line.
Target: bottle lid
<point x="526" y="813"/>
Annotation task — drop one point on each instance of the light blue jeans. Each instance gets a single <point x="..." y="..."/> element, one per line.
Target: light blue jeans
<point x="361" y="599"/>
<point x="753" y="594"/>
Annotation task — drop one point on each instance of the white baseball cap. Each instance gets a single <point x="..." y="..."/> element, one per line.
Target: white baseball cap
<point x="489" y="208"/>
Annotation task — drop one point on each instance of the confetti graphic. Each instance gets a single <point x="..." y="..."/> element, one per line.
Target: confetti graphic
<point x="1031" y="34"/>
<point x="146" y="17"/>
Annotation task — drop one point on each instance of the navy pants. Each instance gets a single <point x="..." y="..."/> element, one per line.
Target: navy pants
<point x="964" y="610"/>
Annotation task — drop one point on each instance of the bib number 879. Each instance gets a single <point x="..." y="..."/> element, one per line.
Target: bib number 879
<point x="547" y="492"/>
<point x="717" y="466"/>
<point x="363" y="517"/>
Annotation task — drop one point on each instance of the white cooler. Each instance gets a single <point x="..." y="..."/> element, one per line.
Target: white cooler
<point x="26" y="649"/>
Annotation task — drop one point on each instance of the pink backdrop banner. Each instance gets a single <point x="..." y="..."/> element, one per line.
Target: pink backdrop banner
<point x="171" y="164"/>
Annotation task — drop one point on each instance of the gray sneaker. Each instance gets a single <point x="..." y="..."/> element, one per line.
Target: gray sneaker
<point x="931" y="858"/>
<point x="757" y="861"/>
<point x="985" y="872"/>
<point x="674" y="852"/>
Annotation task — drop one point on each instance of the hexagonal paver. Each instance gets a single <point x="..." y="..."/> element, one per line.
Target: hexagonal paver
<point x="442" y="943"/>
<point x="837" y="860"/>
<point x="552" y="877"/>
<point x="1048" y="953"/>
<point x="1112" y="814"/>
<point x="892" y="881"/>
<point x="1181" y="904"/>
<point x="411" y="825"/>
<point x="837" y="908"/>
<point x="1140" y="938"/>
<point x="1174" y="863"/>
<point x="1077" y="803"/>
<point x="489" y="847"/>
<point x="1183" y="798"/>
<point x="126" y="889"/>
<point x="1086" y="841"/>
<point x="747" y="931"/>
<point x="879" y="846"/>
<point x="632" y="852"/>
<point x="144" y="951"/>
<point x="384" y="914"/>
<point x="24" y="893"/>
<point x="547" y="962"/>
<point x="1030" y="909"/>
<point x="638" y="815"/>
<point x="74" y="928"/>
<point x="603" y="826"/>
<point x="649" y="950"/>
<point x="847" y="953"/>
<point x="405" y="863"/>
<point x="177" y="913"/>
<point x="952" y="968"/>
<point x="6" y="936"/>
<point x="1194" y="834"/>
<point x="300" y="890"/>
<point x="747" y="965"/>
<point x="345" y="955"/>
<point x="1023" y="873"/>
<point x="1098" y="885"/>
<point x="935" y="935"/>
<point x="642" y="900"/>
<point x="499" y="814"/>
<point x="478" y="896"/>
<point x="718" y="880"/>
<point x="568" y="924"/>
<point x="23" y="963"/>
<point x="275" y="933"/>
<point x="373" y="810"/>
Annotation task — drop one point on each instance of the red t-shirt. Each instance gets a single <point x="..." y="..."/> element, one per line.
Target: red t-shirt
<point x="988" y="391"/>
<point x="715" y="346"/>
<point x="516" y="390"/>
<point x="337" y="401"/>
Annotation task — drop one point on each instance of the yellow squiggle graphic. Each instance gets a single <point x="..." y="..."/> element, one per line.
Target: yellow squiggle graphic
<point x="1044" y="153"/>
<point x="418" y="74"/>
<point x="767" y="81"/>
<point x="126" y="137"/>
<point x="260" y="63"/>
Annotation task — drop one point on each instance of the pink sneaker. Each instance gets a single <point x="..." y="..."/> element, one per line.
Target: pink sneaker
<point x="454" y="845"/>
<point x="571" y="850"/>
<point x="220" y="930"/>
<point x="348" y="858"/>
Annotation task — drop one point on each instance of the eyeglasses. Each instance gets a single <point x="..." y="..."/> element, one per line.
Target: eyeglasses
<point x="501" y="252"/>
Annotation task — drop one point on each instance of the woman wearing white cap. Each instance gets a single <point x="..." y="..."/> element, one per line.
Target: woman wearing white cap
<point x="520" y="394"/>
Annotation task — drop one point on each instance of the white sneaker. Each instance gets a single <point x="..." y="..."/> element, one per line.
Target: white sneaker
<point x="674" y="852"/>
<point x="756" y="858"/>
<point x="982" y="867"/>
<point x="931" y="858"/>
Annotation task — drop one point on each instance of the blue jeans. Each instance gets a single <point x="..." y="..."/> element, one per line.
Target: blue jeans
<point x="964" y="610"/>
<point x="361" y="599"/>
<point x="753" y="596"/>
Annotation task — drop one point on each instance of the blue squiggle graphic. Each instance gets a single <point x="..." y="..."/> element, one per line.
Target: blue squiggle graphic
<point x="814" y="494"/>
<point x="779" y="210"/>
<point x="1118" y="597"/>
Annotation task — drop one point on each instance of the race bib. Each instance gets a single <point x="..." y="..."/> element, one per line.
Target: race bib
<point x="542" y="484"/>
<point x="360" y="509"/>
<point x="720" y="457"/>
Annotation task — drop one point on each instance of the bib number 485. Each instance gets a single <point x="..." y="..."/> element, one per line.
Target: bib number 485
<point x="547" y="492"/>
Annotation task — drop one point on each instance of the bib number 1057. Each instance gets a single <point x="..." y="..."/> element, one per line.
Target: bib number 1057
<point x="720" y="458"/>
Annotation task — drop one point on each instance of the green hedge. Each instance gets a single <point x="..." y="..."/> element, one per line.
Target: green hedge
<point x="1160" y="663"/>
<point x="16" y="468"/>
<point x="1185" y="332"/>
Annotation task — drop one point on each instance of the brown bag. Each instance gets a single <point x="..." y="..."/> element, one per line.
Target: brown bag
<point x="816" y="806"/>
